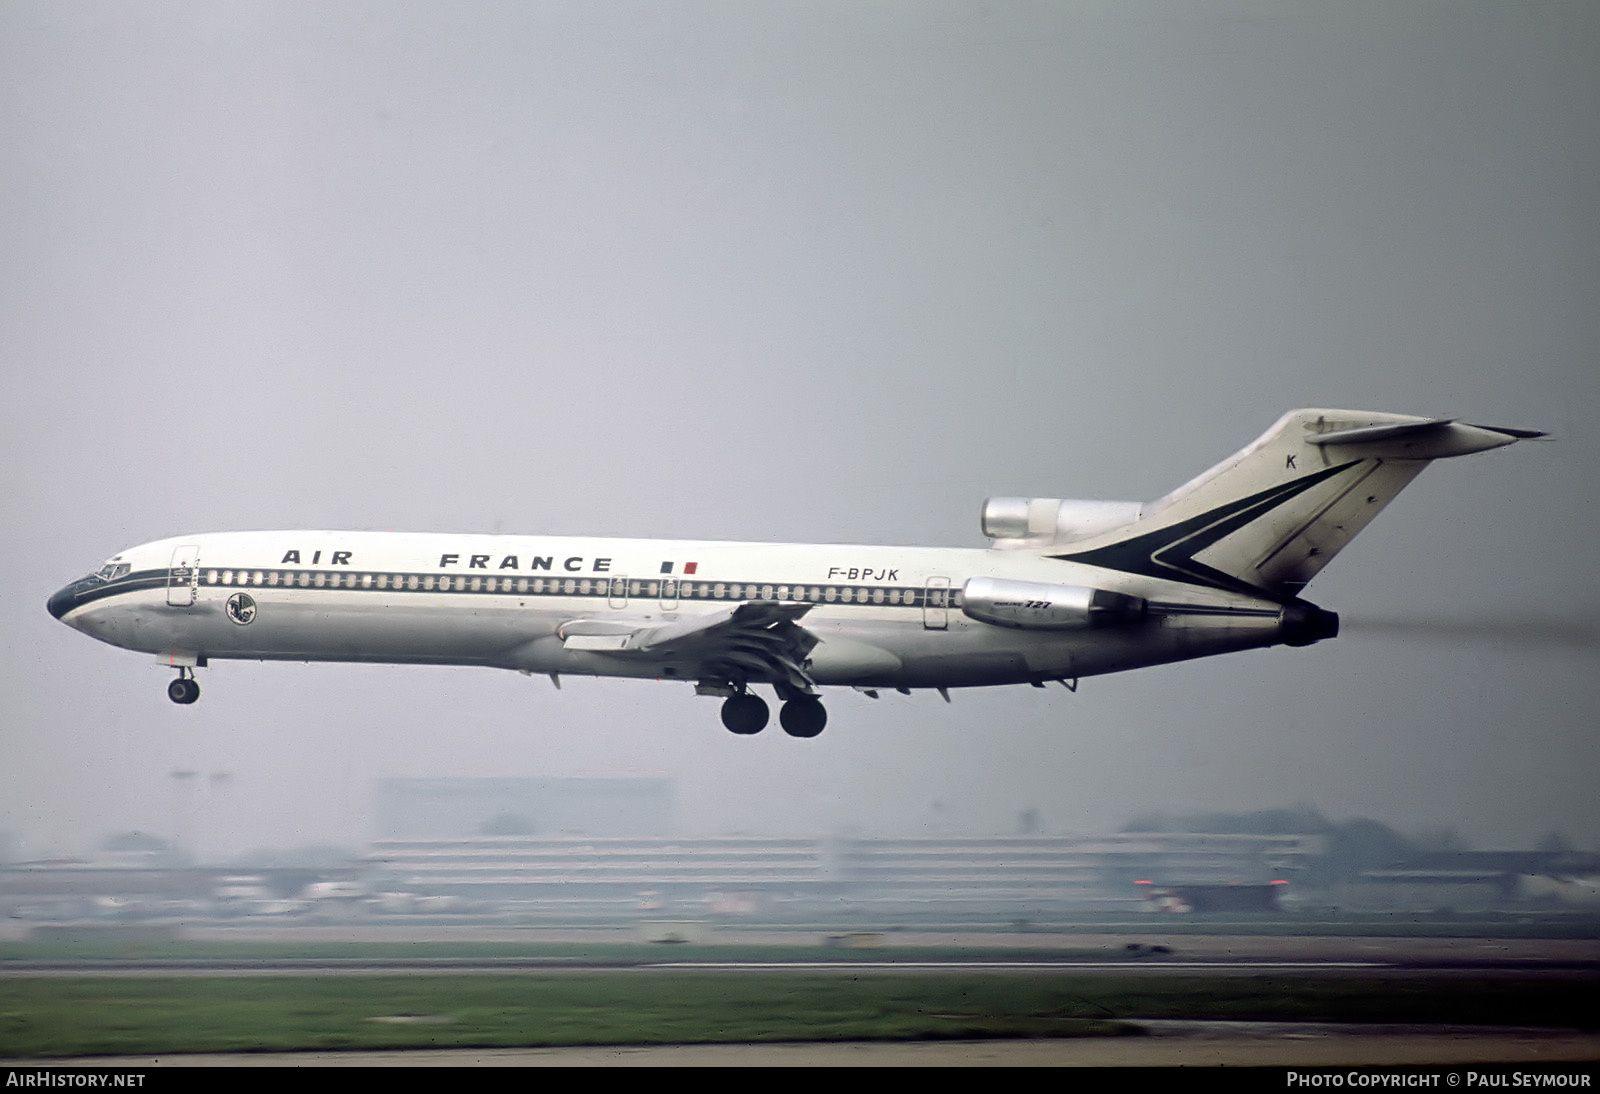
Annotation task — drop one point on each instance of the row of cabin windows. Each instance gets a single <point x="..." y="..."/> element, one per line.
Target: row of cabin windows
<point x="616" y="587"/>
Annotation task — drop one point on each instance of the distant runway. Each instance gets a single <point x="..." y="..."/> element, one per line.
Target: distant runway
<point x="1098" y="954"/>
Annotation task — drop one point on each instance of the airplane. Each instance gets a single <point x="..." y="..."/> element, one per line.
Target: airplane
<point x="1066" y="588"/>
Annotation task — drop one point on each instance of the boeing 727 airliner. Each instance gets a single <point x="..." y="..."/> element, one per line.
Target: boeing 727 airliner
<point x="1066" y="589"/>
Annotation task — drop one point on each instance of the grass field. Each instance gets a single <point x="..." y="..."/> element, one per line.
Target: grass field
<point x="73" y="1016"/>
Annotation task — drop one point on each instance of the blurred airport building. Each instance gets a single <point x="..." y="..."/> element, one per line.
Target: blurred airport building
<point x="1003" y="878"/>
<point x="599" y="845"/>
<point x="570" y="850"/>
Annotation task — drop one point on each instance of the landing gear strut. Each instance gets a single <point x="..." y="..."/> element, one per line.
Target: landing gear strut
<point x="185" y="689"/>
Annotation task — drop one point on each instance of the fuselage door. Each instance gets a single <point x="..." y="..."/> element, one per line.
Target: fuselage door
<point x="936" y="604"/>
<point x="183" y="577"/>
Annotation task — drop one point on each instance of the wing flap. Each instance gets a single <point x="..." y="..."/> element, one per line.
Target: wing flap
<point x="601" y="642"/>
<point x="755" y="640"/>
<point x="751" y="617"/>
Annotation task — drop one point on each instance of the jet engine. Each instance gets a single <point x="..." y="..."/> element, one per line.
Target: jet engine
<point x="1034" y="605"/>
<point x="1054" y="520"/>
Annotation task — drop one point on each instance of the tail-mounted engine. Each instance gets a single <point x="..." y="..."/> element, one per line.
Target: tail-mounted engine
<point x="1027" y="522"/>
<point x="1034" y="605"/>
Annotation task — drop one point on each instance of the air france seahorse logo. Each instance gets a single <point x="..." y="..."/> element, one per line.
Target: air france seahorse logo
<point x="241" y="608"/>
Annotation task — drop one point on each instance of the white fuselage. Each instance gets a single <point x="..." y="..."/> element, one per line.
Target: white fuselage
<point x="884" y="616"/>
<point x="1068" y="588"/>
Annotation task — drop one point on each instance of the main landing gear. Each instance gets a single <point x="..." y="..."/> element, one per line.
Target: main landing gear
<point x="185" y="689"/>
<point x="746" y="713"/>
<point x="803" y="717"/>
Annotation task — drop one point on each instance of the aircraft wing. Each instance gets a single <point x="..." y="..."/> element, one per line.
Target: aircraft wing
<point x="759" y="639"/>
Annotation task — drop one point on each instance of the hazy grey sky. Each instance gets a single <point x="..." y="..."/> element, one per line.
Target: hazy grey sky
<point x="810" y="272"/>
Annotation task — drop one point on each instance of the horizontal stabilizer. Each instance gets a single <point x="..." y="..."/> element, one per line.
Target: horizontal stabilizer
<point x="1514" y="434"/>
<point x="1419" y="439"/>
<point x="1371" y="433"/>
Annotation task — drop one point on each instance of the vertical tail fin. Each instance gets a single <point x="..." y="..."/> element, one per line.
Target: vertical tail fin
<point x="1266" y="520"/>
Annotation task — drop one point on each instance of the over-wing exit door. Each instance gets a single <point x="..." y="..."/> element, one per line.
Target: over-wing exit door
<point x="936" y="604"/>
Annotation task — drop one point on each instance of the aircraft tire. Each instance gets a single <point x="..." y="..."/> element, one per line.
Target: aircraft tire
<point x="803" y="717"/>
<point x="183" y="691"/>
<point x="745" y="714"/>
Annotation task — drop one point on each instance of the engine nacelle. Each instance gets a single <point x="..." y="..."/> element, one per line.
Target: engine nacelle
<point x="1033" y="605"/>
<point x="1054" y="520"/>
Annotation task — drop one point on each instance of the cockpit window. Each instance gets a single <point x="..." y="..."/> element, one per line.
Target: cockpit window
<point x="113" y="570"/>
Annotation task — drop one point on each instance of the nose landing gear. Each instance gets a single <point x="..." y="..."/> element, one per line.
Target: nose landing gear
<point x="185" y="689"/>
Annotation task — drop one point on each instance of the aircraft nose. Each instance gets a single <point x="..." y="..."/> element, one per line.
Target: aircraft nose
<point x="64" y="600"/>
